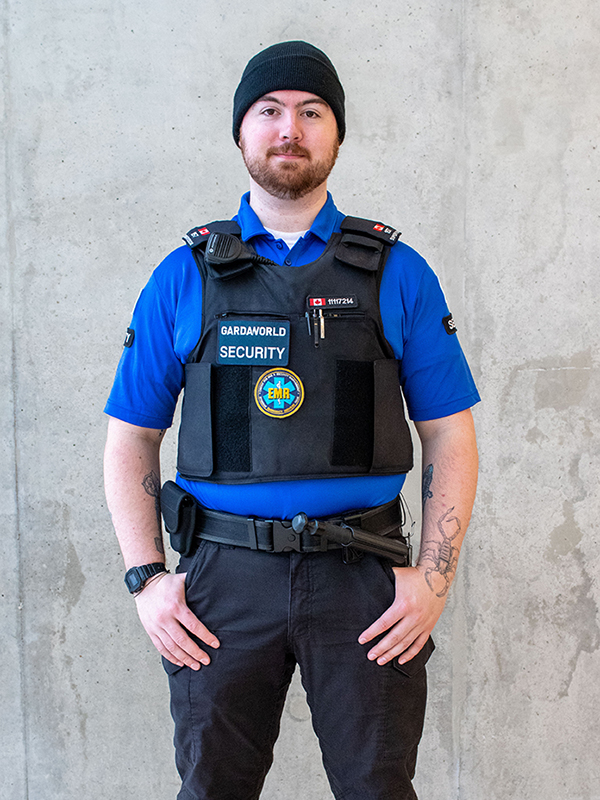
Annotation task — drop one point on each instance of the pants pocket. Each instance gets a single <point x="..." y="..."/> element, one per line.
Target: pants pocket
<point x="169" y="667"/>
<point x="190" y="565"/>
<point x="416" y="664"/>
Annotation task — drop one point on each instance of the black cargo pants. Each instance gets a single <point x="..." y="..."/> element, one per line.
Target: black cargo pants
<point x="273" y="611"/>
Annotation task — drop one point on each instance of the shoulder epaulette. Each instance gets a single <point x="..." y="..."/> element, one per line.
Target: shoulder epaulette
<point x="198" y="236"/>
<point x="369" y="227"/>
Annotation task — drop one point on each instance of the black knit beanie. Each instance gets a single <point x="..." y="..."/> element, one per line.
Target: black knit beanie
<point x="289" y="65"/>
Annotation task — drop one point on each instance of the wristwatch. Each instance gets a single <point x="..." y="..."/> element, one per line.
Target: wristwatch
<point x="136" y="577"/>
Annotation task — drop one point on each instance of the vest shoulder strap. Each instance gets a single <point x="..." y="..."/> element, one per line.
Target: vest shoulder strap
<point x="365" y="243"/>
<point x="369" y="227"/>
<point x="358" y="225"/>
<point x="199" y="235"/>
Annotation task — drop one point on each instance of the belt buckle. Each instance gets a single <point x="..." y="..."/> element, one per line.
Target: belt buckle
<point x="285" y="539"/>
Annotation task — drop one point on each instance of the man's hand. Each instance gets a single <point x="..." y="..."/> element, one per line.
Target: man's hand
<point x="167" y="620"/>
<point x="408" y="621"/>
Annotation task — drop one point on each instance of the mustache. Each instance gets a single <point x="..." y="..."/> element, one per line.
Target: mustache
<point x="287" y="149"/>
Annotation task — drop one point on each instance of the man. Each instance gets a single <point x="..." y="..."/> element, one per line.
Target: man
<point x="289" y="331"/>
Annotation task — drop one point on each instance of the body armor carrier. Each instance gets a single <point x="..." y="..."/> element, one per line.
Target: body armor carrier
<point x="292" y="377"/>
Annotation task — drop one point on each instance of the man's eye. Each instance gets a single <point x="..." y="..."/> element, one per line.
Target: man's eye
<point x="311" y="114"/>
<point x="269" y="112"/>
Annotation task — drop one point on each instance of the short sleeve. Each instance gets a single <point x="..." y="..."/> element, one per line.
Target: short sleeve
<point x="435" y="377"/>
<point x="150" y="373"/>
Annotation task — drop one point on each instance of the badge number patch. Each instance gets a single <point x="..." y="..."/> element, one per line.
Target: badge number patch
<point x="279" y="393"/>
<point x="327" y="303"/>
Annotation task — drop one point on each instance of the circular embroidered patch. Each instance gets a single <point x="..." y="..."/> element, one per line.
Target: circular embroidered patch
<point x="279" y="393"/>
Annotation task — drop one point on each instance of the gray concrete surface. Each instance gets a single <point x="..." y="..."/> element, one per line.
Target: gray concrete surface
<point x="473" y="127"/>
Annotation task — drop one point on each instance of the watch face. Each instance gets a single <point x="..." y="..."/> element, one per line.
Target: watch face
<point x="133" y="580"/>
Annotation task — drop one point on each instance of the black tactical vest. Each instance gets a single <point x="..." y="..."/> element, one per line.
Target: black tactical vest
<point x="292" y="376"/>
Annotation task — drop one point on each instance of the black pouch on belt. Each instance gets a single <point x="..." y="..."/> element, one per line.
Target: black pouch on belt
<point x="179" y="510"/>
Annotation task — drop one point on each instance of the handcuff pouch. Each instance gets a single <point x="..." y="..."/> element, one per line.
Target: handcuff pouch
<point x="179" y="509"/>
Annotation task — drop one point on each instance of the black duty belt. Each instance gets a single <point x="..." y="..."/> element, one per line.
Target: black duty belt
<point x="186" y="520"/>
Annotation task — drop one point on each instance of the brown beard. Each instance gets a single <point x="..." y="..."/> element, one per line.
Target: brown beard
<point x="288" y="181"/>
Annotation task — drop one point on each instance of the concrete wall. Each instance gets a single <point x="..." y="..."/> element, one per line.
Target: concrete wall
<point x="473" y="127"/>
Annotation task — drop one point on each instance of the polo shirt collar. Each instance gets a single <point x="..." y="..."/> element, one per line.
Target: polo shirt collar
<point x="326" y="222"/>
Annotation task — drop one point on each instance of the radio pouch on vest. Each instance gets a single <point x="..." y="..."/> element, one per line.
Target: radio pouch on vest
<point x="179" y="510"/>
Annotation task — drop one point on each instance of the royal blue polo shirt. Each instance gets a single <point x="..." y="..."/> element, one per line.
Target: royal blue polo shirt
<point x="166" y="326"/>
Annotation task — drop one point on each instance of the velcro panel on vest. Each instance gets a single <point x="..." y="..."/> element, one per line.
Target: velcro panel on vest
<point x="231" y="416"/>
<point x="392" y="444"/>
<point x="195" y="456"/>
<point x="353" y="413"/>
<point x="360" y="251"/>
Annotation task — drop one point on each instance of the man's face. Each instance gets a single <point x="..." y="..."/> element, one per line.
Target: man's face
<point x="289" y="142"/>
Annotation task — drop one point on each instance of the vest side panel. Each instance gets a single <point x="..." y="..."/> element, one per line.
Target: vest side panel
<point x="392" y="444"/>
<point x="195" y="451"/>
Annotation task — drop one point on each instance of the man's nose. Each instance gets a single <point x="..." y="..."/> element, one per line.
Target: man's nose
<point x="290" y="130"/>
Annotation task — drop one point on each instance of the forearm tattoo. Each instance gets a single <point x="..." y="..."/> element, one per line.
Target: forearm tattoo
<point x="151" y="484"/>
<point x="442" y="554"/>
<point x="427" y="478"/>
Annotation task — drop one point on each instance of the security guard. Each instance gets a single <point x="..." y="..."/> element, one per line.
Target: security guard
<point x="292" y="329"/>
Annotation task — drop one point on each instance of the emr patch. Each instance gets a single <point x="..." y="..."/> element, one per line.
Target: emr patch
<point x="279" y="393"/>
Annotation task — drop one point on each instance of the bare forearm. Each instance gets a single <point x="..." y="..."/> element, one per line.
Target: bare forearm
<point x="132" y="480"/>
<point x="449" y="481"/>
<point x="449" y="484"/>
<point x="132" y="484"/>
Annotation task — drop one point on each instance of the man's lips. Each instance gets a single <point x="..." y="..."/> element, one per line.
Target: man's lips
<point x="289" y="159"/>
<point x="288" y="153"/>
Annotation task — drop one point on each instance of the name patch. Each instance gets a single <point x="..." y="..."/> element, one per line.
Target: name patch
<point x="246" y="341"/>
<point x="279" y="393"/>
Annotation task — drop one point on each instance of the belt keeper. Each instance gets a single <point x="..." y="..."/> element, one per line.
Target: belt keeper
<point x="252" y="540"/>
